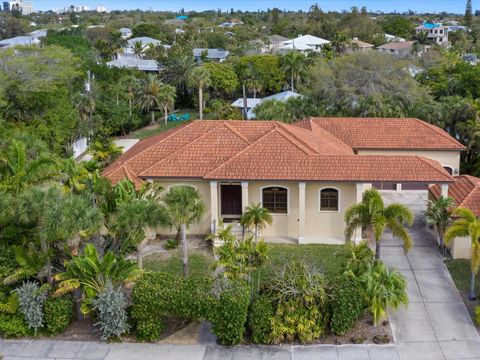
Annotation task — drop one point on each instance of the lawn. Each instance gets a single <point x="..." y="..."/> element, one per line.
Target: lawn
<point x="153" y="129"/>
<point x="200" y="263"/>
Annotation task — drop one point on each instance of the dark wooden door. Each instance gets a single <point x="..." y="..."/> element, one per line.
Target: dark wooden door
<point x="231" y="199"/>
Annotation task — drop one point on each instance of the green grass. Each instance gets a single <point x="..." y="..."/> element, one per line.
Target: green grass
<point x="329" y="259"/>
<point x="200" y="263"/>
<point x="149" y="131"/>
<point x="460" y="271"/>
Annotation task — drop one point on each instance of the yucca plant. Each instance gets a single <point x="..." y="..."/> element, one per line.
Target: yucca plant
<point x="383" y="288"/>
<point x="90" y="273"/>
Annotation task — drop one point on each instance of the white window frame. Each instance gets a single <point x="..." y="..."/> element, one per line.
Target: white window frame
<point x="288" y="198"/>
<point x="320" y="200"/>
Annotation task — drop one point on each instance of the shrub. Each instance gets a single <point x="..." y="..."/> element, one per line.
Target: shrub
<point x="477" y="315"/>
<point x="158" y="295"/>
<point x="13" y="325"/>
<point x="172" y="244"/>
<point x="359" y="257"/>
<point x="31" y="299"/>
<point x="58" y="313"/>
<point x="345" y="303"/>
<point x="111" y="310"/>
<point x="260" y="319"/>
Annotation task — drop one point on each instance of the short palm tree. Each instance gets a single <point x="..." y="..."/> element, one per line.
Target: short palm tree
<point x="439" y="214"/>
<point x="137" y="48"/>
<point x="148" y="96"/>
<point x="166" y="99"/>
<point x="294" y="63"/>
<point x="116" y="40"/>
<point x="200" y="78"/>
<point x="257" y="216"/>
<point x="372" y="214"/>
<point x="467" y="224"/>
<point x="183" y="207"/>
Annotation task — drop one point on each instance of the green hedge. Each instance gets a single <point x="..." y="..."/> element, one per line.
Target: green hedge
<point x="13" y="325"/>
<point x="260" y="319"/>
<point x="58" y="314"/>
<point x="158" y="295"/>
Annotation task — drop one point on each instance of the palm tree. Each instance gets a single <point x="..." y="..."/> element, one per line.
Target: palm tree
<point x="422" y="39"/>
<point x="116" y="41"/>
<point x="467" y="224"/>
<point x="18" y="170"/>
<point x="295" y="64"/>
<point x="178" y="72"/>
<point x="256" y="216"/>
<point x="372" y="214"/>
<point x="129" y="85"/>
<point x="137" y="48"/>
<point x="439" y="214"/>
<point x="255" y="86"/>
<point x="183" y="207"/>
<point x="200" y="78"/>
<point x="148" y="97"/>
<point x="135" y="219"/>
<point x="167" y="99"/>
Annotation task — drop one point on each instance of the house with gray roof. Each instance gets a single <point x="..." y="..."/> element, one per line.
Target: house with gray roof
<point x="219" y="55"/>
<point x="19" y="41"/>
<point x="135" y="63"/>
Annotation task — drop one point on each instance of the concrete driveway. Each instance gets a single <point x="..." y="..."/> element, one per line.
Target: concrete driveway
<point x="436" y="324"/>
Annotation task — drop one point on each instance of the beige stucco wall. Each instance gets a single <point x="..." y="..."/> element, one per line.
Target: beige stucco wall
<point x="460" y="248"/>
<point x="445" y="158"/>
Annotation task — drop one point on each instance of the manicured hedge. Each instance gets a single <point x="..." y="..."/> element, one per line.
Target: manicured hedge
<point x="158" y="295"/>
<point x="58" y="314"/>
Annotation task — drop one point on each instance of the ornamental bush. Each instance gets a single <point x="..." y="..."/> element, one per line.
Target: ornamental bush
<point x="260" y="319"/>
<point x="58" y="314"/>
<point x="345" y="303"/>
<point x="31" y="298"/>
<point x="13" y="325"/>
<point x="158" y="295"/>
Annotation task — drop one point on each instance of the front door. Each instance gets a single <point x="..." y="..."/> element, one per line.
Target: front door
<point x="231" y="200"/>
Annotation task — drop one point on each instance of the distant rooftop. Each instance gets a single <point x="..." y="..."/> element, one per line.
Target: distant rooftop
<point x="134" y="63"/>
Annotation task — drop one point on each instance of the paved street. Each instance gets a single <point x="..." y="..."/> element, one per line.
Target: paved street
<point x="435" y="326"/>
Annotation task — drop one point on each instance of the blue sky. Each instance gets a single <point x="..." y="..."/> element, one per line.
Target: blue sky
<point x="457" y="6"/>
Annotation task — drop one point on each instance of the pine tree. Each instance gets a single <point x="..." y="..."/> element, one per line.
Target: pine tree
<point x="468" y="14"/>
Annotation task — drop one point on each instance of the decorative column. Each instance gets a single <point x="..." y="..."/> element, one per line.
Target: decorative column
<point x="301" y="212"/>
<point x="214" y="205"/>
<point x="359" y="197"/>
<point x="444" y="190"/>
<point x="244" y="195"/>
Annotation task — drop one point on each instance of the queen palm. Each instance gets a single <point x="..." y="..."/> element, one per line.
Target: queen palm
<point x="467" y="224"/>
<point x="148" y="96"/>
<point x="167" y="99"/>
<point x="294" y="63"/>
<point x="200" y="78"/>
<point x="439" y="214"/>
<point x="373" y="215"/>
<point x="183" y="207"/>
<point x="257" y="216"/>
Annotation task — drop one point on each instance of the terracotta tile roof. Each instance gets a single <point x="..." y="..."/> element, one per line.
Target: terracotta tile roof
<point x="465" y="191"/>
<point x="385" y="133"/>
<point x="263" y="150"/>
<point x="404" y="45"/>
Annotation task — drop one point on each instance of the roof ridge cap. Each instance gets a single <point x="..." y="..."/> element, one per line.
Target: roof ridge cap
<point x="427" y="161"/>
<point x="236" y="131"/>
<point x="438" y="131"/>
<point x="282" y="130"/>
<point x="221" y="123"/>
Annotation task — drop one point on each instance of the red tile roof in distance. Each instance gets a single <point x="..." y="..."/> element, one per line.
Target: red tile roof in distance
<point x="235" y="149"/>
<point x="386" y="133"/>
<point x="465" y="191"/>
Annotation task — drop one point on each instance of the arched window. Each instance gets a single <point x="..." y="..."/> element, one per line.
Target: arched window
<point x="329" y="199"/>
<point x="275" y="199"/>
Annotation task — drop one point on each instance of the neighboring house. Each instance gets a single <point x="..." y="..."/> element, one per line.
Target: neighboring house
<point x="135" y="63"/>
<point x="251" y="102"/>
<point x="303" y="43"/>
<point x="38" y="34"/>
<point x="436" y="32"/>
<point x="306" y="174"/>
<point x="393" y="38"/>
<point x="219" y="55"/>
<point x="230" y="23"/>
<point x="282" y="96"/>
<point x="146" y="43"/>
<point x="19" y="41"/>
<point x="358" y="45"/>
<point x="267" y="44"/>
<point x="470" y="59"/>
<point x="126" y="33"/>
<point x="398" y="49"/>
<point x="465" y="192"/>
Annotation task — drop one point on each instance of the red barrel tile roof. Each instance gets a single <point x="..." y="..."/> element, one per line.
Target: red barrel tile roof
<point x="465" y="191"/>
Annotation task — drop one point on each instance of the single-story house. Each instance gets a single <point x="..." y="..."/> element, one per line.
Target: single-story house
<point x="306" y="174"/>
<point x="251" y="102"/>
<point x="465" y="192"/>
<point x="135" y="63"/>
<point x="38" y="34"/>
<point x="19" y="41"/>
<point x="358" y="45"/>
<point x="219" y="55"/>
<point x="398" y="49"/>
<point x="281" y="96"/>
<point x="146" y="43"/>
<point x="267" y="44"/>
<point x="303" y="43"/>
<point x="126" y="33"/>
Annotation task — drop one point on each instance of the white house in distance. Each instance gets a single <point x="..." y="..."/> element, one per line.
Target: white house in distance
<point x="268" y="44"/>
<point x="146" y="42"/>
<point x="19" y="41"/>
<point x="132" y="62"/>
<point x="303" y="43"/>
<point x="126" y="33"/>
<point x="393" y="38"/>
<point x="436" y="32"/>
<point x="281" y="96"/>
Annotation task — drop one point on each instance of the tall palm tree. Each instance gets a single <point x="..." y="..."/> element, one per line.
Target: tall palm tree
<point x="372" y="214"/>
<point x="148" y="96"/>
<point x="167" y="99"/>
<point x="467" y="224"/>
<point x="257" y="216"/>
<point x="137" y="48"/>
<point x="439" y="214"/>
<point x="19" y="170"/>
<point x="200" y="78"/>
<point x="116" y="41"/>
<point x="183" y="207"/>
<point x="178" y="72"/>
<point x="129" y="85"/>
<point x="294" y="63"/>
